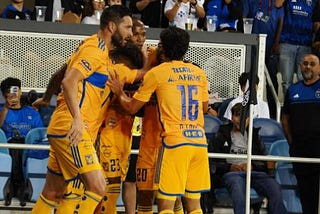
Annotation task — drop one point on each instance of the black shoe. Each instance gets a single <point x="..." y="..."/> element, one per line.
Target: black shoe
<point x="7" y="201"/>
<point x="22" y="203"/>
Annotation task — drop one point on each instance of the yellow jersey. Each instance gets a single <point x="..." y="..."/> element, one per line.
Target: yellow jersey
<point x="180" y="89"/>
<point x="92" y="60"/>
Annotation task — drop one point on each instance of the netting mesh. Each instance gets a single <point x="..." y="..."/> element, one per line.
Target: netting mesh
<point x="33" y="57"/>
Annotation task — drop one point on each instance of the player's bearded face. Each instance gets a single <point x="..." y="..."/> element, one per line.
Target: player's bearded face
<point x="118" y="40"/>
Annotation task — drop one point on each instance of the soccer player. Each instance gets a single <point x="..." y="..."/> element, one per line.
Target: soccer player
<point x="182" y="94"/>
<point x="73" y="126"/>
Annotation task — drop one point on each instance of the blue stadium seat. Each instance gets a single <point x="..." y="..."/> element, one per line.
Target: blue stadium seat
<point x="3" y="139"/>
<point x="5" y="172"/>
<point x="36" y="160"/>
<point x="211" y="125"/>
<point x="285" y="177"/>
<point x="270" y="131"/>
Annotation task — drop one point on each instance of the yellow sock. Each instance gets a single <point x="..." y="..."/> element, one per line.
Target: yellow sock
<point x="197" y="211"/>
<point x="108" y="204"/>
<point x="166" y="212"/>
<point x="88" y="203"/>
<point x="178" y="209"/>
<point x="144" y="209"/>
<point x="68" y="204"/>
<point x="43" y="206"/>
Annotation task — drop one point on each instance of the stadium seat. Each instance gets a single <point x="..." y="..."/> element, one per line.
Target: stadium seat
<point x="36" y="161"/>
<point x="285" y="177"/>
<point x="270" y="131"/>
<point x="3" y="139"/>
<point x="211" y="126"/>
<point x="5" y="172"/>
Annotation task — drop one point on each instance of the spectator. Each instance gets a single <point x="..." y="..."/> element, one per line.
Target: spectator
<point x="151" y="11"/>
<point x="228" y="14"/>
<point x="74" y="6"/>
<point x="113" y="2"/>
<point x="232" y="172"/>
<point x="296" y="38"/>
<point x="16" y="121"/>
<point x="179" y="11"/>
<point x="300" y="122"/>
<point x="260" y="110"/>
<point x="268" y="19"/>
<point x="16" y="10"/>
<point x="92" y="11"/>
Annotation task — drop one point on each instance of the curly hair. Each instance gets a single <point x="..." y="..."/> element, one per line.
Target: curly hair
<point x="175" y="42"/>
<point x="8" y="82"/>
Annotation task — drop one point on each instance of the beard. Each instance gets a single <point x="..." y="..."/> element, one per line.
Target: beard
<point x="307" y="75"/>
<point x="117" y="40"/>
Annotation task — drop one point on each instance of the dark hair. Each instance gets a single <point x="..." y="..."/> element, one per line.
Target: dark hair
<point x="8" y="82"/>
<point x="88" y="9"/>
<point x="130" y="53"/>
<point x="175" y="42"/>
<point x="244" y="77"/>
<point x="114" y="14"/>
<point x="236" y="109"/>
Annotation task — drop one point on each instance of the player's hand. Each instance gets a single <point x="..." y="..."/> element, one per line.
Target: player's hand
<point x="75" y="133"/>
<point x="39" y="102"/>
<point x="115" y="84"/>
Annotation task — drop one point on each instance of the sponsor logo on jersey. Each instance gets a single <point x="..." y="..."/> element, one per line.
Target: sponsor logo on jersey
<point x="86" y="65"/>
<point x="193" y="133"/>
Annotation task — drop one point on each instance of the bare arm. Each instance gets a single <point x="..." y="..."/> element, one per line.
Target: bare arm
<point x="52" y="87"/>
<point x="70" y="90"/>
<point x="285" y="121"/>
<point x="3" y="114"/>
<point x="276" y="42"/>
<point x="143" y="4"/>
<point x="130" y="105"/>
<point x="199" y="10"/>
<point x="170" y="14"/>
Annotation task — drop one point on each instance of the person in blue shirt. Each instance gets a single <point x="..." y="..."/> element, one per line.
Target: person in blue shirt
<point x="296" y="37"/>
<point x="16" y="10"/>
<point x="228" y="14"/>
<point x="268" y="19"/>
<point x="16" y="121"/>
<point x="15" y="118"/>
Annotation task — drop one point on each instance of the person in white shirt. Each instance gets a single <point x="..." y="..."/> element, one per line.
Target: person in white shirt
<point x="260" y="110"/>
<point x="179" y="12"/>
<point x="92" y="12"/>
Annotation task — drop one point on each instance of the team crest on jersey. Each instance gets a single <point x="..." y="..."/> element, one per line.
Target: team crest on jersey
<point x="29" y="117"/>
<point x="89" y="159"/>
<point x="86" y="65"/>
<point x="317" y="93"/>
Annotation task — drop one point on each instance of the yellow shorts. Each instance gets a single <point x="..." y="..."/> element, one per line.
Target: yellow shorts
<point x="72" y="161"/>
<point x="146" y="168"/>
<point x="184" y="169"/>
<point x="115" y="148"/>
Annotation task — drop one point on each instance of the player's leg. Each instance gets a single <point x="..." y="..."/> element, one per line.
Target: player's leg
<point x="198" y="178"/>
<point x="54" y="187"/>
<point x="71" y="198"/>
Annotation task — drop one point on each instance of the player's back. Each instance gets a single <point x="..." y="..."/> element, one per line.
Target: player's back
<point x="182" y="87"/>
